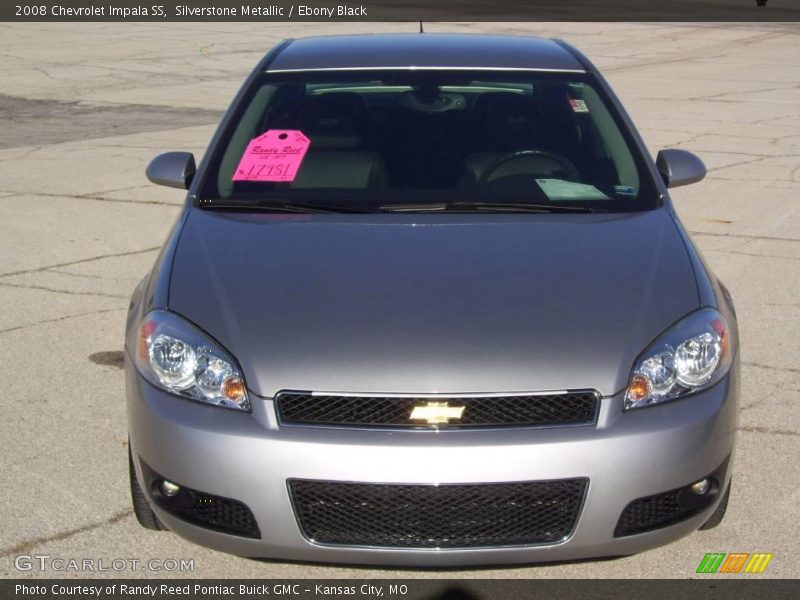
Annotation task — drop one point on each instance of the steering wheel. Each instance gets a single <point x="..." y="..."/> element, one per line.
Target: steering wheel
<point x="569" y="167"/>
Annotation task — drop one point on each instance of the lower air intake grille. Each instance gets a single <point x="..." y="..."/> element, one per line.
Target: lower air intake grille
<point x="222" y="514"/>
<point x="530" y="410"/>
<point x="200" y="508"/>
<point x="662" y="510"/>
<point x="443" y="516"/>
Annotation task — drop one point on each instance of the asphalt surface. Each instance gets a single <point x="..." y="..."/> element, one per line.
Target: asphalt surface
<point x="84" y="108"/>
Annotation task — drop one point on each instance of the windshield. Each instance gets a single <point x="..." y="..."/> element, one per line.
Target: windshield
<point x="425" y="140"/>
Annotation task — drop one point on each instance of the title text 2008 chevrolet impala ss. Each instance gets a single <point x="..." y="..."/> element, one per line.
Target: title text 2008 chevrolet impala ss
<point x="428" y="302"/>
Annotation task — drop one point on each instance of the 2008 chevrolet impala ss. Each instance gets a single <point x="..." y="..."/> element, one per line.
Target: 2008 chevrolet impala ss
<point x="428" y="302"/>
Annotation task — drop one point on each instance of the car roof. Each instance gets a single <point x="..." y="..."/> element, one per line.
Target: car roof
<point x="424" y="51"/>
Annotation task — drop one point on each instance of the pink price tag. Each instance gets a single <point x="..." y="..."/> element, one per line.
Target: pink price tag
<point x="273" y="156"/>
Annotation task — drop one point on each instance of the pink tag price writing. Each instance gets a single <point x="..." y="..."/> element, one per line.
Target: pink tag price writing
<point x="273" y="156"/>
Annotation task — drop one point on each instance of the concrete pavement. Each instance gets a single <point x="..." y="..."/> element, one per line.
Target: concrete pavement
<point x="85" y="106"/>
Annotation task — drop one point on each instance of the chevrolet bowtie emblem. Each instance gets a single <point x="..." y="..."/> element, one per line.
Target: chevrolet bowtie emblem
<point x="436" y="413"/>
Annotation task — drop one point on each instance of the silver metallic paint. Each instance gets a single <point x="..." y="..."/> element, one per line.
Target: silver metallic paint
<point x="433" y="303"/>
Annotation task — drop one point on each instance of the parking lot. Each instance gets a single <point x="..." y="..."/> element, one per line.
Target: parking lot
<point x="85" y="107"/>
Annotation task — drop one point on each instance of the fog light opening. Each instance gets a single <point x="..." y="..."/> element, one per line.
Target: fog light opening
<point x="169" y="489"/>
<point x="702" y="487"/>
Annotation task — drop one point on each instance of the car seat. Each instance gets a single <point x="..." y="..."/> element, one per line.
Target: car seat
<point x="336" y="157"/>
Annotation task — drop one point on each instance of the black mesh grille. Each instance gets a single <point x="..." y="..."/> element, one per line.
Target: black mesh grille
<point x="222" y="514"/>
<point x="661" y="510"/>
<point x="444" y="516"/>
<point x="479" y="411"/>
<point x="206" y="510"/>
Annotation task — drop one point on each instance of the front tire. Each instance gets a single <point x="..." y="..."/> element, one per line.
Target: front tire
<point x="144" y="514"/>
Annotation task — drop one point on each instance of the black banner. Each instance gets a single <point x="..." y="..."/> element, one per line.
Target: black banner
<point x="400" y="10"/>
<point x="712" y="587"/>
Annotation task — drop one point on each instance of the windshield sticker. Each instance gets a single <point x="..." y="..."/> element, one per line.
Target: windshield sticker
<point x="273" y="156"/>
<point x="559" y="189"/>
<point x="578" y="105"/>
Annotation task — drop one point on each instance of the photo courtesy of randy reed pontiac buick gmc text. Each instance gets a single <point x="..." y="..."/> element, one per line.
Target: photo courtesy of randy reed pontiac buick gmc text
<point x="428" y="302"/>
<point x="152" y="590"/>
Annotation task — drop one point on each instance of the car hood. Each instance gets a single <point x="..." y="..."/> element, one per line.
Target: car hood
<point x="433" y="303"/>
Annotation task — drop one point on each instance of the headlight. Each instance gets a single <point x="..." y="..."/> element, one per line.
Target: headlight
<point x="691" y="356"/>
<point x="177" y="357"/>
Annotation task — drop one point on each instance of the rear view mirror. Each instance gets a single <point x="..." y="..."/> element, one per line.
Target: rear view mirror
<point x="679" y="167"/>
<point x="173" y="169"/>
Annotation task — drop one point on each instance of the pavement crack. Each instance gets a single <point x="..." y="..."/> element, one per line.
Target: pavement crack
<point x="781" y="304"/>
<point x="123" y="200"/>
<point x="44" y="72"/>
<point x="80" y="261"/>
<point x="82" y="275"/>
<point x="754" y="254"/>
<point x="28" y="545"/>
<point x="767" y="183"/>
<point x="744" y="92"/>
<point x="738" y="243"/>
<point x="703" y="53"/>
<point x="767" y="430"/>
<point x="92" y="196"/>
<point x="59" y="319"/>
<point x="58" y="291"/>
<point x="752" y="161"/>
<point x="771" y="368"/>
<point x="113" y="190"/>
<point x="744" y="235"/>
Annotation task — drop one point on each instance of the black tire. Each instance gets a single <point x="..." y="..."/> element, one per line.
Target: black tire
<point x="144" y="514"/>
<point x="719" y="514"/>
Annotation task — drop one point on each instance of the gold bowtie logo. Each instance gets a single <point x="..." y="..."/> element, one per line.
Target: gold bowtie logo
<point x="436" y="413"/>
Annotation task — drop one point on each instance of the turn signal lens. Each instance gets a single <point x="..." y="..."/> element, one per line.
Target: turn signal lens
<point x="145" y="331"/>
<point x="233" y="389"/>
<point x="639" y="389"/>
<point x="722" y="332"/>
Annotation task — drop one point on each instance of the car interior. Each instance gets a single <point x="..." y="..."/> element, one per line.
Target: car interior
<point x="503" y="137"/>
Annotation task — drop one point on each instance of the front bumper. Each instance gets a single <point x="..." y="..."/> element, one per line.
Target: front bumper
<point x="250" y="458"/>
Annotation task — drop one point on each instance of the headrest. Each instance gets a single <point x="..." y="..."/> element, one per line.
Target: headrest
<point x="508" y="120"/>
<point x="333" y="121"/>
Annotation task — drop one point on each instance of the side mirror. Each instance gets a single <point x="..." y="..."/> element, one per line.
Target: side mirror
<point x="173" y="169"/>
<point x="679" y="167"/>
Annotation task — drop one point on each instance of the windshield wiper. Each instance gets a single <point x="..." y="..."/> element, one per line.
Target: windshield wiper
<point x="526" y="207"/>
<point x="490" y="207"/>
<point x="279" y="207"/>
